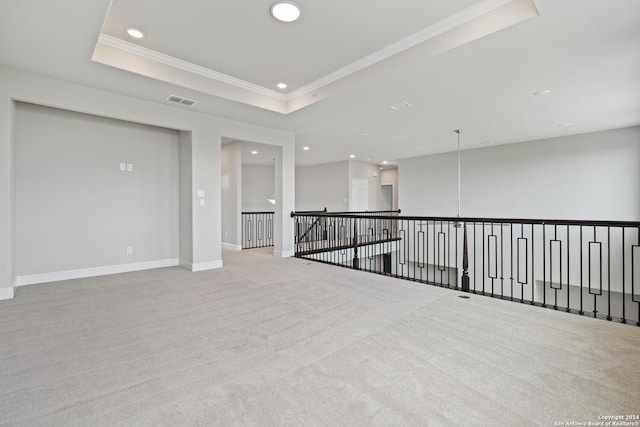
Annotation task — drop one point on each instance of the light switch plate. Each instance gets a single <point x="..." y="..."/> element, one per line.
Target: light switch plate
<point x="129" y="167"/>
<point x="200" y="193"/>
<point x="202" y="202"/>
<point x="123" y="167"/>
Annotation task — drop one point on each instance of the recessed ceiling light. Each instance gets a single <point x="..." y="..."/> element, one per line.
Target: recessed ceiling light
<point x="352" y="156"/>
<point x="542" y="92"/>
<point x="285" y="11"/>
<point x="254" y="152"/>
<point x="305" y="148"/>
<point x="384" y="162"/>
<point x="363" y="134"/>
<point x="564" y="125"/>
<point x="281" y="85"/>
<point x="135" y="33"/>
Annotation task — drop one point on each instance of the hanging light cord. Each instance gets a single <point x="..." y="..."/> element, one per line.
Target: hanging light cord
<point x="458" y="131"/>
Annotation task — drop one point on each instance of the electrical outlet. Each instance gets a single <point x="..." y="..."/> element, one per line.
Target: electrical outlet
<point x="129" y="167"/>
<point x="129" y="250"/>
<point x="123" y="167"/>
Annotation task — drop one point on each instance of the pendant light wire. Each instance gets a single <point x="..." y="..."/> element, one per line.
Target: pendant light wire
<point x="458" y="131"/>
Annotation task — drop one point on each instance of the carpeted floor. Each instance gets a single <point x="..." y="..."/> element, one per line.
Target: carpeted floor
<point x="271" y="342"/>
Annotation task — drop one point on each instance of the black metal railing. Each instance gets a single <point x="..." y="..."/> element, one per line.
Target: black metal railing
<point x="257" y="230"/>
<point x="315" y="226"/>
<point x="584" y="267"/>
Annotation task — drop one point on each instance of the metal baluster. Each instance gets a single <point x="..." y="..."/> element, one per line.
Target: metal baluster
<point x="609" y="273"/>
<point x="355" y="244"/>
<point x="465" y="261"/>
<point x="581" y="274"/>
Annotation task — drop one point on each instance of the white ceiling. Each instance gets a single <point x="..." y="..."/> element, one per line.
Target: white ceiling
<point x="242" y="40"/>
<point x="255" y="153"/>
<point x="587" y="52"/>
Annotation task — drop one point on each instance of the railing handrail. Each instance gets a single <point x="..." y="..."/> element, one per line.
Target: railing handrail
<point x="320" y="214"/>
<point x="257" y="229"/>
<point x="476" y="219"/>
<point x="587" y="267"/>
<point x="360" y="213"/>
<point x="310" y="212"/>
<point x="315" y="224"/>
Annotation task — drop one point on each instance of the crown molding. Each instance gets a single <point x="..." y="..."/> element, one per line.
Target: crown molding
<point x="486" y="11"/>
<point x="180" y="64"/>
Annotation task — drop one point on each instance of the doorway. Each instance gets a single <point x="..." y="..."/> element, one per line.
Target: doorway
<point x="386" y="201"/>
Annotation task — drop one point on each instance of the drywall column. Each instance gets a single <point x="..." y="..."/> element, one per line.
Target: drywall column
<point x="6" y="197"/>
<point x="206" y="221"/>
<point x="186" y="200"/>
<point x="285" y="201"/>
<point x="231" y="186"/>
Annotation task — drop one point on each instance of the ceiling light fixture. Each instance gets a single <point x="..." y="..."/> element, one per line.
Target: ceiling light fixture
<point x="542" y="92"/>
<point x="384" y="162"/>
<point x="564" y="125"/>
<point x="285" y="11"/>
<point x="135" y="33"/>
<point x="352" y="156"/>
<point x="305" y="148"/>
<point x="281" y="85"/>
<point x="254" y="152"/>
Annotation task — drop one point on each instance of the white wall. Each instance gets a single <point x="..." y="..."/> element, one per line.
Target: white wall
<point x="390" y="177"/>
<point x="258" y="185"/>
<point x="359" y="170"/>
<point x="589" y="176"/>
<point x="75" y="208"/>
<point x="185" y="205"/>
<point x="231" y="195"/>
<point x="326" y="185"/>
<point x="203" y="132"/>
<point x="330" y="185"/>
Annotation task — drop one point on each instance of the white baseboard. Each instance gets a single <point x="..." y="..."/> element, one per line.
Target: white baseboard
<point x="283" y="254"/>
<point x="6" y="293"/>
<point x="211" y="265"/>
<point x="185" y="264"/>
<point x="231" y="246"/>
<point x="32" y="279"/>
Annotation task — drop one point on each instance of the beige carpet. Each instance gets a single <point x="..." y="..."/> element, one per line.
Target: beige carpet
<point x="270" y="342"/>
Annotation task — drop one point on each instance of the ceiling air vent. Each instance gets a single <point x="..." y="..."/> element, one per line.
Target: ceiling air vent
<point x="400" y="106"/>
<point x="180" y="100"/>
<point x="188" y="102"/>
